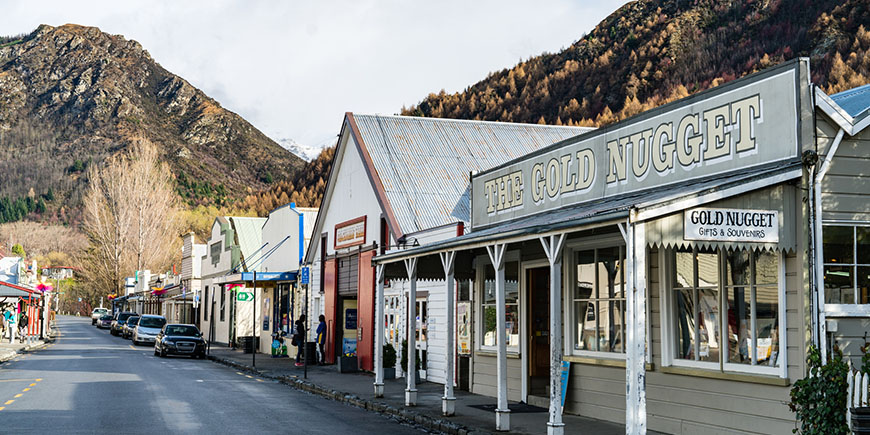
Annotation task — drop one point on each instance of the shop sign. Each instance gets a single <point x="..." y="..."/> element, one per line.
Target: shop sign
<point x="350" y="233"/>
<point x="463" y="327"/>
<point x="731" y="225"/>
<point x="350" y="318"/>
<point x="244" y="296"/>
<point x="739" y="125"/>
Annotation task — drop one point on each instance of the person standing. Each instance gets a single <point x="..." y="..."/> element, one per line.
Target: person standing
<point x="321" y="338"/>
<point x="22" y="325"/>
<point x="299" y="339"/>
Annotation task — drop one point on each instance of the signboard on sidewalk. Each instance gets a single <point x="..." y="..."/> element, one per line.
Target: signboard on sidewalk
<point x="245" y="296"/>
<point x="463" y="327"/>
<point x="731" y="225"/>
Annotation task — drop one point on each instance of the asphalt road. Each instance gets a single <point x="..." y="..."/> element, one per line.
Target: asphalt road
<point x="89" y="381"/>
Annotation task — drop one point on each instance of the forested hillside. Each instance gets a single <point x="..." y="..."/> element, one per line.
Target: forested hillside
<point x="649" y="52"/>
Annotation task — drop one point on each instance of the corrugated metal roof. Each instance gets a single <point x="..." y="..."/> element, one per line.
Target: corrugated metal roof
<point x="249" y="233"/>
<point x="424" y="163"/>
<point x="854" y="101"/>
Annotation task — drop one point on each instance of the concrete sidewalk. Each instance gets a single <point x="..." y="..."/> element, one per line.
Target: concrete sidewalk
<point x="357" y="389"/>
<point x="10" y="350"/>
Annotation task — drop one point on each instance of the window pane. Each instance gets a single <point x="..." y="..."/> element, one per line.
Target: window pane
<point x="839" y="285"/>
<point x="685" y="324"/>
<point x="512" y="325"/>
<point x="739" y="327"/>
<point x="767" y="325"/>
<point x="838" y="244"/>
<point x="611" y="326"/>
<point x="511" y="282"/>
<point x="585" y="275"/>
<point x="609" y="273"/>
<point x="864" y="284"/>
<point x="684" y="272"/>
<point x="489" y="291"/>
<point x="766" y="268"/>
<point x="708" y="269"/>
<point x="708" y="325"/>
<point x="489" y="317"/>
<point x="863" y="241"/>
<point x="737" y="268"/>
<point x="584" y="338"/>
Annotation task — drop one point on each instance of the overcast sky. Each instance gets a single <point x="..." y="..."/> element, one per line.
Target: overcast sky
<point x="293" y="68"/>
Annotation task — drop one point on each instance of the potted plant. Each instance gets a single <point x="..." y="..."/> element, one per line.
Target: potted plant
<point x="389" y="361"/>
<point x="405" y="361"/>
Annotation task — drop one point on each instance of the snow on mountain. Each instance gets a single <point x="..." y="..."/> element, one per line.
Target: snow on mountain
<point x="306" y="152"/>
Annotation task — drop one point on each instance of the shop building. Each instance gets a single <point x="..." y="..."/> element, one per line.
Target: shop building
<point x="398" y="182"/>
<point x="670" y="261"/>
<point x="274" y="273"/>
<point x="224" y="316"/>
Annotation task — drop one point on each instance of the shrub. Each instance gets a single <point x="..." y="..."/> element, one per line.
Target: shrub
<point x="390" y="356"/>
<point x="405" y="357"/>
<point x="819" y="400"/>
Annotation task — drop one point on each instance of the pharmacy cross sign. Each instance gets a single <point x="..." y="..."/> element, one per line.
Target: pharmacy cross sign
<point x="245" y="296"/>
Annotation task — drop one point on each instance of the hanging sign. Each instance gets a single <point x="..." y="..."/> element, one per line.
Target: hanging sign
<point x="305" y="275"/>
<point x="350" y="233"/>
<point x="244" y="296"/>
<point x="463" y="327"/>
<point x="731" y="225"/>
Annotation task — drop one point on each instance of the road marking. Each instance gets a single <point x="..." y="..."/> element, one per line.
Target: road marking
<point x="249" y="376"/>
<point x="25" y="390"/>
<point x="131" y="347"/>
<point x="9" y="402"/>
<point x="32" y="385"/>
<point x="2" y="408"/>
<point x="199" y="380"/>
<point x="13" y="380"/>
<point x="18" y="395"/>
<point x="259" y="380"/>
<point x="38" y="379"/>
<point x="240" y="373"/>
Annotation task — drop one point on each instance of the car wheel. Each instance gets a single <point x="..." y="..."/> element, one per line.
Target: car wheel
<point x="156" y="353"/>
<point x="162" y="353"/>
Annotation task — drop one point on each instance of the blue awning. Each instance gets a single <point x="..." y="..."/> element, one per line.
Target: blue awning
<point x="248" y="277"/>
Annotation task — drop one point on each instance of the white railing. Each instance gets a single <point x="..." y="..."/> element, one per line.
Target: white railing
<point x="857" y="391"/>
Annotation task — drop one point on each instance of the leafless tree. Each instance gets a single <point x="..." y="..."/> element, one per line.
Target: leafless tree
<point x="130" y="217"/>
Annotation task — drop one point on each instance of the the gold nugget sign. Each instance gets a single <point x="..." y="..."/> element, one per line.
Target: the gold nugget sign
<point x="741" y="125"/>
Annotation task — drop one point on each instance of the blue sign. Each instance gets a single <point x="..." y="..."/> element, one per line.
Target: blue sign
<point x="306" y="275"/>
<point x="566" y="368"/>
<point x="350" y="318"/>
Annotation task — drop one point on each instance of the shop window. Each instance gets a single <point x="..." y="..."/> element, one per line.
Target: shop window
<point x="488" y="307"/>
<point x="735" y="291"/>
<point x="599" y="300"/>
<point x="223" y="302"/>
<point x="846" y="251"/>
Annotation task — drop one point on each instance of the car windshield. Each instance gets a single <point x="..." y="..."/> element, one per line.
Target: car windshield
<point x="106" y="317"/>
<point x="152" y="322"/>
<point x="123" y="317"/>
<point x="182" y="330"/>
<point x="101" y="310"/>
<point x="133" y="320"/>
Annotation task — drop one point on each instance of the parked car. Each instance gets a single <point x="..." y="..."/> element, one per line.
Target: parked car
<point x="119" y="321"/>
<point x="176" y="339"/>
<point x="127" y="329"/>
<point x="146" y="331"/>
<point x="105" y="321"/>
<point x="97" y="313"/>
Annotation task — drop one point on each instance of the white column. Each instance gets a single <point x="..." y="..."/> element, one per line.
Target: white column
<point x="411" y="390"/>
<point x="553" y="249"/>
<point x="379" y="332"/>
<point x="635" y="366"/>
<point x="502" y="412"/>
<point x="448" y="402"/>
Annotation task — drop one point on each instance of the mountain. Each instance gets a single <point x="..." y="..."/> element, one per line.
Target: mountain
<point x="650" y="52"/>
<point x="305" y="152"/>
<point x="72" y="95"/>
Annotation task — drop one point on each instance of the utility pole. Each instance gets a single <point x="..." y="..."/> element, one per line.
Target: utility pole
<point x="254" y="331"/>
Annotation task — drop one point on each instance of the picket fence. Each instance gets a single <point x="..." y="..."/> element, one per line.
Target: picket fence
<point x="857" y="392"/>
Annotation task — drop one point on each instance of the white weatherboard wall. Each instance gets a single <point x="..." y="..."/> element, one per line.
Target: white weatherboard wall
<point x="350" y="197"/>
<point x="211" y="269"/>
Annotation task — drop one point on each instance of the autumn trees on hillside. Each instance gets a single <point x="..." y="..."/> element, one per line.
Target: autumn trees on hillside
<point x="131" y="217"/>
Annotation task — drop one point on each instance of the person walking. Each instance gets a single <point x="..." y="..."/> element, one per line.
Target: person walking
<point x="299" y="339"/>
<point x="321" y="338"/>
<point x="22" y="326"/>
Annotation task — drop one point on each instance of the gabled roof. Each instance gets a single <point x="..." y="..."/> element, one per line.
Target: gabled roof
<point x="249" y="233"/>
<point x="423" y="164"/>
<point x="854" y="101"/>
<point x="850" y="109"/>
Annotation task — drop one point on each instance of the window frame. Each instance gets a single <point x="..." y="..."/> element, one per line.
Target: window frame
<point x="668" y="317"/>
<point x="481" y="263"/>
<point x="570" y="274"/>
<point x="864" y="309"/>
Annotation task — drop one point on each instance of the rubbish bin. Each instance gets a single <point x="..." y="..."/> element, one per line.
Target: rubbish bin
<point x="311" y="353"/>
<point x="248" y="343"/>
<point x="861" y="420"/>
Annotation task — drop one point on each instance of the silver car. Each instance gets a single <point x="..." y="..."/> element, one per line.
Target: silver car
<point x="147" y="329"/>
<point x="97" y="313"/>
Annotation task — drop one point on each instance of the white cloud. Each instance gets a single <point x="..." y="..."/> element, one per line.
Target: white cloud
<point x="293" y="68"/>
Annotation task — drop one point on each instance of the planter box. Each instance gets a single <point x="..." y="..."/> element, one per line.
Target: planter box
<point x="389" y="373"/>
<point x="347" y="364"/>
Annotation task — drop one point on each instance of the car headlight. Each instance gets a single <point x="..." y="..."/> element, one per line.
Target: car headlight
<point x="169" y="342"/>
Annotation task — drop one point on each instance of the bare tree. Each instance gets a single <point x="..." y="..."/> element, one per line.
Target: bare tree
<point x="130" y="217"/>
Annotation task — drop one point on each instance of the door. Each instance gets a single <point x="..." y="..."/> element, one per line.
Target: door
<point x="538" y="285"/>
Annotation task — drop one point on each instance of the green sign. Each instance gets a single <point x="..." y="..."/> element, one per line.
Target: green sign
<point x="245" y="296"/>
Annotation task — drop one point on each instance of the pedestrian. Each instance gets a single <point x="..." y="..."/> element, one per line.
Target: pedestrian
<point x="321" y="338"/>
<point x="9" y="320"/>
<point x="299" y="339"/>
<point x="22" y="325"/>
